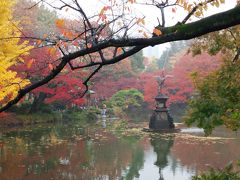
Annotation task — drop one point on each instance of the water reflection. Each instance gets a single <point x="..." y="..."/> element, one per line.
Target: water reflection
<point x="66" y="152"/>
<point x="192" y="130"/>
<point x="160" y="162"/>
<point x="161" y="148"/>
<point x="91" y="153"/>
<point x="104" y="125"/>
<point x="136" y="164"/>
<point x="201" y="153"/>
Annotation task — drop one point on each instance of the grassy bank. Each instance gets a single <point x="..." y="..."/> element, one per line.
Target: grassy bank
<point x="15" y="120"/>
<point x="25" y="119"/>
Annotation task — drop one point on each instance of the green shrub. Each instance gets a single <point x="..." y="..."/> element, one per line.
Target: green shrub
<point x="86" y="115"/>
<point x="225" y="174"/>
<point x="125" y="98"/>
<point x="25" y="107"/>
<point x="20" y="108"/>
<point x="127" y="103"/>
<point x="218" y="99"/>
<point x="38" y="118"/>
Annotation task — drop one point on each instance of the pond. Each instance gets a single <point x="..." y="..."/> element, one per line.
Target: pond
<point x="72" y="152"/>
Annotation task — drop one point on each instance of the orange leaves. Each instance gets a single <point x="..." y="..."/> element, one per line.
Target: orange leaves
<point x="201" y="6"/>
<point x="69" y="34"/>
<point x="141" y="21"/>
<point x="29" y="64"/>
<point x="198" y="14"/>
<point x="89" y="45"/>
<point x="39" y="42"/>
<point x="104" y="9"/>
<point x="215" y="3"/>
<point x="102" y="15"/>
<point x="189" y="8"/>
<point x="132" y="1"/>
<point x="157" y="32"/>
<point x="186" y="5"/>
<point x="119" y="50"/>
<point x="50" y="66"/>
<point x="60" y="23"/>
<point x="180" y="1"/>
<point x="52" y="50"/>
<point x="174" y="10"/>
<point x="145" y="35"/>
<point x="102" y="12"/>
<point x="75" y="43"/>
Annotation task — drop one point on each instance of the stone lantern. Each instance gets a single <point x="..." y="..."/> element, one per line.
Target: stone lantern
<point x="161" y="119"/>
<point x="161" y="101"/>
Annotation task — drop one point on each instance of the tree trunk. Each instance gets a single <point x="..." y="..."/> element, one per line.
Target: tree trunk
<point x="37" y="102"/>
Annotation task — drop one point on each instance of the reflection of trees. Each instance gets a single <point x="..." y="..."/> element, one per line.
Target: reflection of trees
<point x="110" y="158"/>
<point x="39" y="151"/>
<point x="30" y="154"/>
<point x="114" y="156"/>
<point x="202" y="154"/>
<point x="161" y="147"/>
<point x="136" y="164"/>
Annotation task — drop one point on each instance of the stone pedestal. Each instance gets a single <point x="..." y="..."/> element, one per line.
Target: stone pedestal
<point x="161" y="119"/>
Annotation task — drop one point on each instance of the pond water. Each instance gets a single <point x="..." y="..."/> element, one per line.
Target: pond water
<point x="71" y="152"/>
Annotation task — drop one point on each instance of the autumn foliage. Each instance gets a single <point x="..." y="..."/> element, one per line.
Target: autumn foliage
<point x="69" y="52"/>
<point x="11" y="52"/>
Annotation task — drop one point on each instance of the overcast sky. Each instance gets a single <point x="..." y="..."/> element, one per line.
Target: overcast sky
<point x="151" y="14"/>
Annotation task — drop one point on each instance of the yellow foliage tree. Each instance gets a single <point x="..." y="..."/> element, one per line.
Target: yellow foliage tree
<point x="11" y="50"/>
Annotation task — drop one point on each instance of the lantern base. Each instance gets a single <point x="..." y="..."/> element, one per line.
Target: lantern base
<point x="161" y="119"/>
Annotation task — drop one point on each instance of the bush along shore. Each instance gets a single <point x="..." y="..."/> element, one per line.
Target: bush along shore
<point x="20" y="119"/>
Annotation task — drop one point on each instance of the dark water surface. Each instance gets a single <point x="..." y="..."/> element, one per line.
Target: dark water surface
<point x="72" y="152"/>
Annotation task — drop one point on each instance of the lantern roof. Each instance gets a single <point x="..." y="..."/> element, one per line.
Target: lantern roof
<point x="160" y="97"/>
